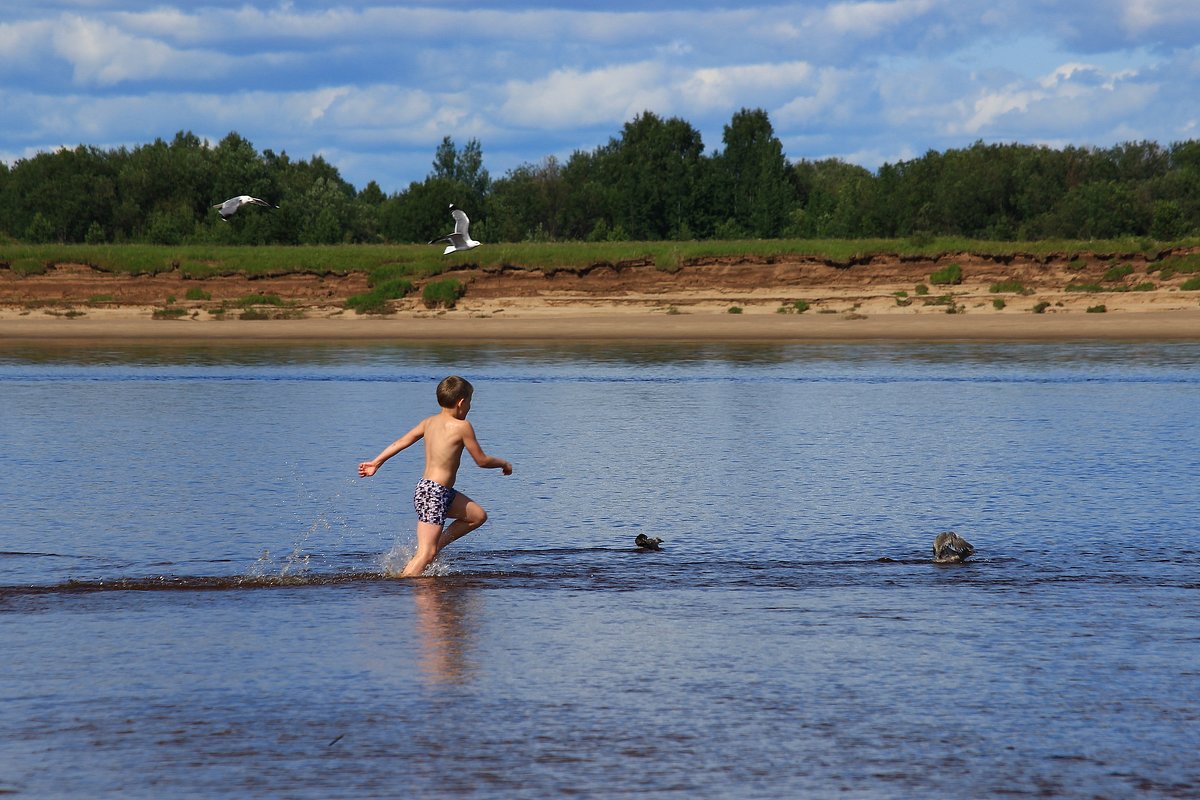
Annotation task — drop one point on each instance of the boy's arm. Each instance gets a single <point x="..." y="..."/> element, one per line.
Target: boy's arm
<point x="368" y="468"/>
<point x="482" y="458"/>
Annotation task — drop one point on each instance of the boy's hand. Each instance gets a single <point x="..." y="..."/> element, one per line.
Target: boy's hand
<point x="366" y="469"/>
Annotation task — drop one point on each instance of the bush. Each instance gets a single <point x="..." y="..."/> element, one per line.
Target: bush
<point x="735" y="309"/>
<point x="442" y="293"/>
<point x="196" y="293"/>
<point x="1013" y="286"/>
<point x="1041" y="307"/>
<point x="1100" y="309"/>
<point x="798" y="307"/>
<point x="1190" y="285"/>
<point x="999" y="304"/>
<point x="1118" y="273"/>
<point x="376" y="300"/>
<point x="949" y="275"/>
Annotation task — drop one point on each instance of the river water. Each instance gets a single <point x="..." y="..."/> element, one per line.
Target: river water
<point x="196" y="591"/>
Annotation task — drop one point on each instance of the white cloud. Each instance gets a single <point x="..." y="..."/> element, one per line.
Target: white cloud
<point x="872" y="18"/>
<point x="102" y="55"/>
<point x="571" y="98"/>
<point x="1074" y="95"/>
<point x="719" y="88"/>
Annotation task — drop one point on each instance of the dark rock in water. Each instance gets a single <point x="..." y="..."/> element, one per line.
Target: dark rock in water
<point x="647" y="542"/>
<point x="950" y="548"/>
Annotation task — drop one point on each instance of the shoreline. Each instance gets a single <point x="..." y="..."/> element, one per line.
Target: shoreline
<point x="583" y="325"/>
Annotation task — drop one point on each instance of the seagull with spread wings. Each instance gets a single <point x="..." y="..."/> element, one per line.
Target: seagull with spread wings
<point x="460" y="239"/>
<point x="230" y="206"/>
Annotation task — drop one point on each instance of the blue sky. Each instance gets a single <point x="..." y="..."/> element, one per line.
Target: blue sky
<point x="373" y="87"/>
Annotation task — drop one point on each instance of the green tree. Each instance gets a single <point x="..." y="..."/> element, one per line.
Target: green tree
<point x="752" y="176"/>
<point x="654" y="169"/>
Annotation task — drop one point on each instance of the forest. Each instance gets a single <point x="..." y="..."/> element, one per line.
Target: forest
<point x="653" y="181"/>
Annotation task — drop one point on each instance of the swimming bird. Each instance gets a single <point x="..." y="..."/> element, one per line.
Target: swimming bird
<point x="647" y="542"/>
<point x="950" y="548"/>
<point x="230" y="206"/>
<point x="460" y="239"/>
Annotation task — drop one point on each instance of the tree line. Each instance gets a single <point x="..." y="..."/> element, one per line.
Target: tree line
<point x="652" y="181"/>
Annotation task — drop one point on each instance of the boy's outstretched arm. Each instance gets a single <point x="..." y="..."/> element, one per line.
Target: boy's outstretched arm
<point x="368" y="468"/>
<point x="481" y="458"/>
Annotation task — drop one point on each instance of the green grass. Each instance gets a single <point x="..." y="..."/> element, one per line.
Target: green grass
<point x="1100" y="309"/>
<point x="384" y="261"/>
<point x="376" y="300"/>
<point x="1171" y="266"/>
<point x="1010" y="286"/>
<point x="1113" y="274"/>
<point x="950" y="275"/>
<point x="797" y="307"/>
<point x="1191" y="284"/>
<point x="443" y="293"/>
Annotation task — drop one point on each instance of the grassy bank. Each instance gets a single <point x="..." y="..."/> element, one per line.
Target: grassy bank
<point x="390" y="262"/>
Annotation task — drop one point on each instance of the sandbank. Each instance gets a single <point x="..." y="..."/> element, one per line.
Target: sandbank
<point x="601" y="324"/>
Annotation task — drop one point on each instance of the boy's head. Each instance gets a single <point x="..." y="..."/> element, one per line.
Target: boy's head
<point x="453" y="389"/>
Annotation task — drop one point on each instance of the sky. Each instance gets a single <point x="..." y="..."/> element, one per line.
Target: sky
<point x="374" y="87"/>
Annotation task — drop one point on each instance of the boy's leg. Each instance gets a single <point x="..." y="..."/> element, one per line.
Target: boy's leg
<point x="467" y="515"/>
<point x="427" y="549"/>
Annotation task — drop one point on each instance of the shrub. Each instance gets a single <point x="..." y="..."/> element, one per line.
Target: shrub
<point x="259" y="300"/>
<point x="1118" y="273"/>
<point x="1041" y="307"/>
<point x="168" y="313"/>
<point x="1100" y="309"/>
<point x="921" y="288"/>
<point x="947" y="276"/>
<point x="442" y="293"/>
<point x="798" y="307"/>
<point x="1190" y="285"/>
<point x="376" y="300"/>
<point x="735" y="309"/>
<point x="999" y="303"/>
<point x="1013" y="286"/>
<point x="196" y="293"/>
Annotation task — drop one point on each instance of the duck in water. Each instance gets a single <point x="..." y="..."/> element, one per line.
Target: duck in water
<point x="950" y="548"/>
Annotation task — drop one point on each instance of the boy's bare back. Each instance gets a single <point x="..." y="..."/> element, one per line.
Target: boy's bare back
<point x="445" y="439"/>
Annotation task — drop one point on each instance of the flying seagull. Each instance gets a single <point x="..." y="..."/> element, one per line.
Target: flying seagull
<point x="460" y="239"/>
<point x="230" y="206"/>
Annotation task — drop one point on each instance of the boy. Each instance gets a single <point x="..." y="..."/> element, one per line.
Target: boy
<point x="446" y="434"/>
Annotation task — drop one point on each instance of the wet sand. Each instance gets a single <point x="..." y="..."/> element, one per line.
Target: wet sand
<point x="610" y="325"/>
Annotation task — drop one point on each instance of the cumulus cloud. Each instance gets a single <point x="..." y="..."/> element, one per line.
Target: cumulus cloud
<point x="382" y="82"/>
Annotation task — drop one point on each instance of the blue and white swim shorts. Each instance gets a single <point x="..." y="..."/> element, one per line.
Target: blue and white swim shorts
<point x="432" y="501"/>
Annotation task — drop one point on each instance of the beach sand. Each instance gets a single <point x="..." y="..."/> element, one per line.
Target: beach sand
<point x="731" y="300"/>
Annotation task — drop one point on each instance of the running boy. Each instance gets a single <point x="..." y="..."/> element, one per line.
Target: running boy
<point x="446" y="433"/>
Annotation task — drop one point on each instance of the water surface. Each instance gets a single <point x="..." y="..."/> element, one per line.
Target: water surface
<point x="195" y="590"/>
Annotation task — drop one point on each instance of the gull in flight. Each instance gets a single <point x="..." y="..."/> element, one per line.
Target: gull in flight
<point x="230" y="206"/>
<point x="460" y="239"/>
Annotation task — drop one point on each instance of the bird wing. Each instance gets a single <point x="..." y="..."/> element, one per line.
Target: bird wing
<point x="461" y="223"/>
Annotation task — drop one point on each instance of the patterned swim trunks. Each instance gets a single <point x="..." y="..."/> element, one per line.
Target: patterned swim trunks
<point x="432" y="501"/>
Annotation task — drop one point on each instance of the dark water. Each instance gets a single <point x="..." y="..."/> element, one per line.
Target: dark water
<point x="195" y="596"/>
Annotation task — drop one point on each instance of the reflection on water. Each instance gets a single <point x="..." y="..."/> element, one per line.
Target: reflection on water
<point x="195" y="589"/>
<point x="444" y="628"/>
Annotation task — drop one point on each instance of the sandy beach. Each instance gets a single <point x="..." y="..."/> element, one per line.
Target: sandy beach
<point x="730" y="300"/>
